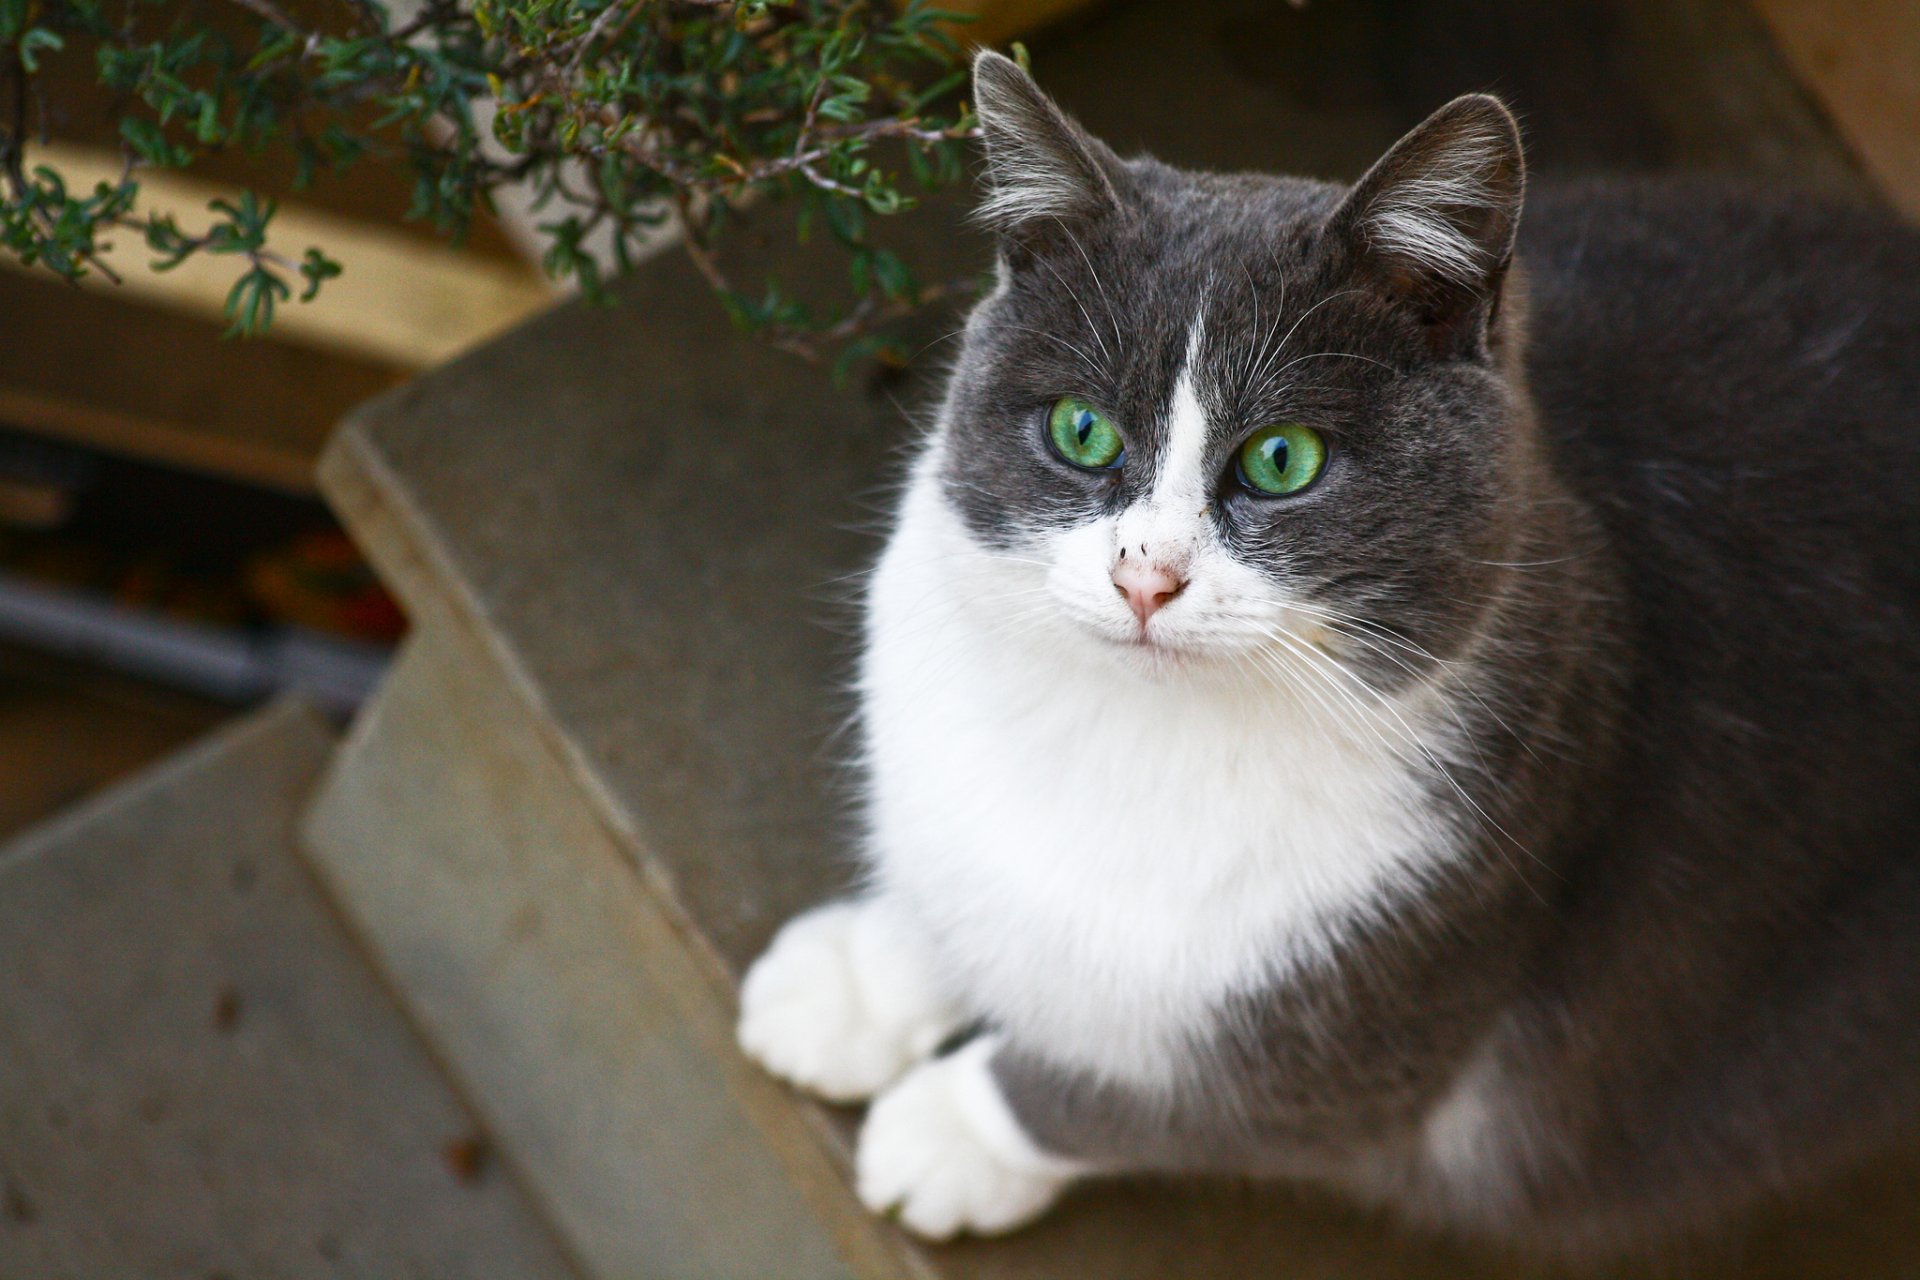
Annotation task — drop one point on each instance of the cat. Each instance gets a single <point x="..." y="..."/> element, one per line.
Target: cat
<point x="1355" y="692"/>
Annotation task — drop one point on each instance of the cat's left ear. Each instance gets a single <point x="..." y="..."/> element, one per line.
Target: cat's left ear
<point x="1432" y="224"/>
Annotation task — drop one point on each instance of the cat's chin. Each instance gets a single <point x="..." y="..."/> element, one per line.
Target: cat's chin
<point x="1157" y="656"/>
<point x="1163" y="660"/>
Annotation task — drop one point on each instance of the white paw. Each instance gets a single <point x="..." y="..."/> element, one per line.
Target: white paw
<point x="842" y="1003"/>
<point x="943" y="1149"/>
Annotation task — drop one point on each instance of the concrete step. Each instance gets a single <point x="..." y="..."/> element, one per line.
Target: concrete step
<point x="598" y="777"/>
<point x="199" y="1073"/>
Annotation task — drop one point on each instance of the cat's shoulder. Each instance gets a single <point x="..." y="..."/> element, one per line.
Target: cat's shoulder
<point x="1689" y="216"/>
<point x="1699" y="244"/>
<point x="1721" y="314"/>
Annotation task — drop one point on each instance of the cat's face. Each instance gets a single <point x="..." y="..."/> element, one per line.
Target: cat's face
<point x="1208" y="419"/>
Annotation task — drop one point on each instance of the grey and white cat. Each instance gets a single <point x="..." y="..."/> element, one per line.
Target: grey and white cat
<point x="1345" y="700"/>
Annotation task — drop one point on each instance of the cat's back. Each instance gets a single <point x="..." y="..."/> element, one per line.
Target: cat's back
<point x="1768" y="344"/>
<point x="1731" y="379"/>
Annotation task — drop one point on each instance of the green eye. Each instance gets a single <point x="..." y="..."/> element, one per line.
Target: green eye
<point x="1082" y="435"/>
<point x="1283" y="458"/>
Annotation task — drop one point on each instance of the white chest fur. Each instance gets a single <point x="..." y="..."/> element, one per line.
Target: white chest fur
<point x="1100" y="857"/>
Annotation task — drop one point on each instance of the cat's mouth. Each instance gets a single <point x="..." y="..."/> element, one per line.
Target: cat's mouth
<point x="1161" y="648"/>
<point x="1150" y="646"/>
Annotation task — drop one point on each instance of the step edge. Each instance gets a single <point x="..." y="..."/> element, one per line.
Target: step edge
<point x="286" y="715"/>
<point x="374" y="505"/>
<point x="413" y="560"/>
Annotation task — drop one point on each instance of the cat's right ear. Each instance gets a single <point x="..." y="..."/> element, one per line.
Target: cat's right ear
<point x="1044" y="172"/>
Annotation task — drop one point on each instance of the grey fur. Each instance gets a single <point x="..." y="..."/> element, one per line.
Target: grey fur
<point x="1651" y="488"/>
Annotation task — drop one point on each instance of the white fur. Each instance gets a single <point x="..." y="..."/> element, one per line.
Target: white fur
<point x="1086" y="831"/>
<point x="1103" y="840"/>
<point x="1465" y="1130"/>
<point x="843" y="1002"/>
<point x="1476" y="1140"/>
<point x="1029" y="185"/>
<point x="1410" y="217"/>
<point x="943" y="1149"/>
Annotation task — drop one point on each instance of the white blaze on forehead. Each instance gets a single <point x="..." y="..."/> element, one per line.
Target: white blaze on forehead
<point x="1182" y="480"/>
<point x="1167" y="518"/>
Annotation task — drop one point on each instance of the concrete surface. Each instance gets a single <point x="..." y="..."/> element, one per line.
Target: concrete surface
<point x="200" y="1076"/>
<point x="593" y="1042"/>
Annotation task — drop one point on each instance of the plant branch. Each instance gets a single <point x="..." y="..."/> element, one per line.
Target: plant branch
<point x="607" y="116"/>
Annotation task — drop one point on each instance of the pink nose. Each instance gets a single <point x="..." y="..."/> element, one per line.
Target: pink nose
<point x="1146" y="585"/>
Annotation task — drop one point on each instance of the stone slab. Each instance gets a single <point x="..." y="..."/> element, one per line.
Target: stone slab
<point x="646" y="523"/>
<point x="592" y="1039"/>
<point x="200" y="1075"/>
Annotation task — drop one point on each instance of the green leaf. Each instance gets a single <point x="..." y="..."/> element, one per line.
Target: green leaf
<point x="699" y="102"/>
<point x="151" y="144"/>
<point x="276" y="46"/>
<point x="250" y="303"/>
<point x="207" y="127"/>
<point x="317" y="268"/>
<point x="30" y="45"/>
<point x="894" y="278"/>
<point x="845" y="219"/>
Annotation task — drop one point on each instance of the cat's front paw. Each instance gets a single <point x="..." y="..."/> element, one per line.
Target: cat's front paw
<point x="843" y="1002"/>
<point x="943" y="1150"/>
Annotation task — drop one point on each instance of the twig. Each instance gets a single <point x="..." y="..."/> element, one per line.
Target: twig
<point x="13" y="153"/>
<point x="650" y="140"/>
<point x="430" y="15"/>
<point x="273" y="13"/>
<point x="869" y="314"/>
<point x="13" y="147"/>
<point x="694" y="241"/>
<point x="626" y="14"/>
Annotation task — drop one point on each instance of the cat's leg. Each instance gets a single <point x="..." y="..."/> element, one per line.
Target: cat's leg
<point x="844" y="1001"/>
<point x="985" y="1139"/>
<point x="944" y="1150"/>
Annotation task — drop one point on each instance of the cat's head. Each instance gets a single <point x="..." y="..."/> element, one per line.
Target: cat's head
<point x="1205" y="416"/>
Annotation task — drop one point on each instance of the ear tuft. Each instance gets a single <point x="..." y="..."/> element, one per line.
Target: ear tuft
<point x="1451" y="212"/>
<point x="1040" y="164"/>
<point x="1436" y="217"/>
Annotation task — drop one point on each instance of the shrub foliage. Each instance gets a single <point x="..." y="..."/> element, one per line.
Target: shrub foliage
<point x="616" y="114"/>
